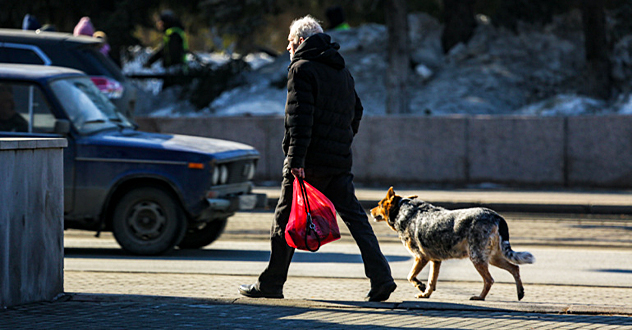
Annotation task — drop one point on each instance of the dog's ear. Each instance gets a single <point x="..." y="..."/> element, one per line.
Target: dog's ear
<point x="412" y="197"/>
<point x="390" y="193"/>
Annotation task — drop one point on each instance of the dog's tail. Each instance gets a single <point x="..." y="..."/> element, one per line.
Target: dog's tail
<point x="517" y="258"/>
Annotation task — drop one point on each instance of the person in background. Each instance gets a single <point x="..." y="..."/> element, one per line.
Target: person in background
<point x="30" y="22"/>
<point x="105" y="49"/>
<point x="322" y="116"/>
<point x="10" y="120"/>
<point x="336" y="18"/>
<point x="174" y="46"/>
<point x="84" y="27"/>
<point x="47" y="28"/>
<point x="173" y="50"/>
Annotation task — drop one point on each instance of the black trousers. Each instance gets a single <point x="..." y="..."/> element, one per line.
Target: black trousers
<point x="340" y="190"/>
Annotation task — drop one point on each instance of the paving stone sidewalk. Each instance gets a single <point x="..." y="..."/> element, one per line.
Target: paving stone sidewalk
<point x="449" y="295"/>
<point x="106" y="300"/>
<point x="133" y="312"/>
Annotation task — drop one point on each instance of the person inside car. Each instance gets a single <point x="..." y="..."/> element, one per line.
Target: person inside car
<point x="10" y="120"/>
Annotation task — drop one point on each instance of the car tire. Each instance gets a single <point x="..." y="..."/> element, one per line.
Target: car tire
<point x="148" y="221"/>
<point x="199" y="237"/>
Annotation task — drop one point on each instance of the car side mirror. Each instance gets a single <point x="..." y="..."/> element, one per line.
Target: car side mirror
<point x="62" y="126"/>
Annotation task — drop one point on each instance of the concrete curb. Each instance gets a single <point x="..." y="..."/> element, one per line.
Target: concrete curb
<point x="323" y="304"/>
<point x="512" y="207"/>
<point x="528" y="208"/>
<point x="598" y="203"/>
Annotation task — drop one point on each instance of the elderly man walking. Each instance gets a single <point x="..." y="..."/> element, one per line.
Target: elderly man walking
<point x="322" y="115"/>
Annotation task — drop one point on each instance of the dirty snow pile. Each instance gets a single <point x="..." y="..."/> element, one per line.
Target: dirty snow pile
<point x="536" y="71"/>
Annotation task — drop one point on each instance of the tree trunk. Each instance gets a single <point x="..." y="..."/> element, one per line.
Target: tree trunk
<point x="460" y="22"/>
<point x="398" y="57"/>
<point x="598" y="64"/>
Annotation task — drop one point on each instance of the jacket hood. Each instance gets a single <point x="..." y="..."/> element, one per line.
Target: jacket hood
<point x="319" y="48"/>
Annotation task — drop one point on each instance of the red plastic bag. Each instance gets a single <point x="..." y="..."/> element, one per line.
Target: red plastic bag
<point x="312" y="220"/>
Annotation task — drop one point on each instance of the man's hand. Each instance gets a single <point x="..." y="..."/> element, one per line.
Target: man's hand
<point x="298" y="172"/>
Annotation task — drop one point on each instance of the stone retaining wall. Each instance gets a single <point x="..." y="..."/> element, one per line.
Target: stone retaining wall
<point x="587" y="151"/>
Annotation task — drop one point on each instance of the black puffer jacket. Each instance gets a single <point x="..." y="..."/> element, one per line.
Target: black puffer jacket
<point x="323" y="111"/>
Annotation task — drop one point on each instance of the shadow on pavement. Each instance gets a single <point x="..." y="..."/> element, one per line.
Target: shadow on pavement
<point x="383" y="315"/>
<point x="621" y="271"/>
<point x="420" y="305"/>
<point x="629" y="228"/>
<point x="464" y="312"/>
<point x="220" y="255"/>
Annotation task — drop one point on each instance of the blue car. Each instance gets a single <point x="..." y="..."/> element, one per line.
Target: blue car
<point x="153" y="191"/>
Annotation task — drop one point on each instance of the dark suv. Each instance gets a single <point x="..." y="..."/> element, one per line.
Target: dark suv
<point x="153" y="191"/>
<point x="64" y="49"/>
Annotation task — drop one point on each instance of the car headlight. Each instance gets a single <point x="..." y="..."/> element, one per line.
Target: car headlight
<point x="215" y="179"/>
<point x="223" y="174"/>
<point x="249" y="171"/>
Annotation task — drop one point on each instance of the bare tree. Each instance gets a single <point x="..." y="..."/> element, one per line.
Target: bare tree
<point x="599" y="81"/>
<point x="398" y="57"/>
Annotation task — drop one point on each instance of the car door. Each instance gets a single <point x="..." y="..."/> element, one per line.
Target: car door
<point x="25" y="112"/>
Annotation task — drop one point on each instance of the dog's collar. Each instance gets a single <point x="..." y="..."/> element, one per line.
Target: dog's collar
<point x="399" y="205"/>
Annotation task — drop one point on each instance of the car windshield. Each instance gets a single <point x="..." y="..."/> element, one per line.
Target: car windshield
<point x="88" y="109"/>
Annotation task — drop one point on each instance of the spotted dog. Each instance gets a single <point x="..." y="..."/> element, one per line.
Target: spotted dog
<point x="433" y="234"/>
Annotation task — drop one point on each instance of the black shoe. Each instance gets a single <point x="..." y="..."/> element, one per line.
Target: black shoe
<point x="250" y="290"/>
<point x="381" y="292"/>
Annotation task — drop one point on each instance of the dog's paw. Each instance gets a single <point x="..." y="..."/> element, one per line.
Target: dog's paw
<point x="425" y="294"/>
<point x="477" y="298"/>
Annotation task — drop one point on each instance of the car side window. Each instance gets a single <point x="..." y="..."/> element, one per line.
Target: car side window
<point x="19" y="56"/>
<point x="17" y="102"/>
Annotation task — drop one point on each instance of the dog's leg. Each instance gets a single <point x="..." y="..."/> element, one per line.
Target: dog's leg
<point x="483" y="269"/>
<point x="435" y="275"/>
<point x="432" y="279"/>
<point x="419" y="264"/>
<point x="501" y="262"/>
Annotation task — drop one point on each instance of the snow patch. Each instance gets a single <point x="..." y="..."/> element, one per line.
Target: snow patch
<point x="535" y="72"/>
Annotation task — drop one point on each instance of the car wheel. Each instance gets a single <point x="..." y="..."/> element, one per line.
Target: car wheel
<point x="148" y="221"/>
<point x="203" y="235"/>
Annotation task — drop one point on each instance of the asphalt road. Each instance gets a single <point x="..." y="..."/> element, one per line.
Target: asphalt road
<point x="569" y="251"/>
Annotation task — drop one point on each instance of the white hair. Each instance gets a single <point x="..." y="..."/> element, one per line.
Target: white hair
<point x="304" y="27"/>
